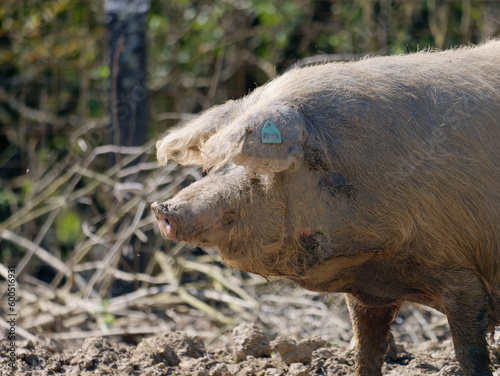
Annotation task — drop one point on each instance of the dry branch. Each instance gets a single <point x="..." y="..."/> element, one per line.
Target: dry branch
<point x="42" y="254"/>
<point x="215" y="274"/>
<point x="200" y="305"/>
<point x="30" y="113"/>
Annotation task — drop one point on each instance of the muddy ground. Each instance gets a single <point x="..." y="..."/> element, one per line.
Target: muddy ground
<point x="250" y="352"/>
<point x="289" y="331"/>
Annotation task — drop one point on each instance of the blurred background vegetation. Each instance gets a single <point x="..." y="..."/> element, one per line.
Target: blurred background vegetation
<point x="75" y="220"/>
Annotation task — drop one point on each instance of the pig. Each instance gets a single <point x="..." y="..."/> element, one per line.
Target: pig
<point x="377" y="178"/>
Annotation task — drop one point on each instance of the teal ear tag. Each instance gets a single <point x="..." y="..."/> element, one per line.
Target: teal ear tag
<point x="270" y="133"/>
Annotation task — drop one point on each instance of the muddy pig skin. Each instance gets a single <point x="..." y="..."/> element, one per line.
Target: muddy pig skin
<point x="385" y="186"/>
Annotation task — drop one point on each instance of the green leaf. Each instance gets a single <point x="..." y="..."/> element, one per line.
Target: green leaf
<point x="104" y="71"/>
<point x="68" y="227"/>
<point x="155" y="21"/>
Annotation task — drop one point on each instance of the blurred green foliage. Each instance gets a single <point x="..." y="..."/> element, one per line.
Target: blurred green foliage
<point x="68" y="227"/>
<point x="54" y="60"/>
<point x="59" y="47"/>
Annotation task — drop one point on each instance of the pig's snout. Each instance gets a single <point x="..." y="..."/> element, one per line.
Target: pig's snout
<point x="160" y="211"/>
<point x="165" y="219"/>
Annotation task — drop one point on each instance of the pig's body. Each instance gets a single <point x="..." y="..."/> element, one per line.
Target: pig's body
<point x="386" y="186"/>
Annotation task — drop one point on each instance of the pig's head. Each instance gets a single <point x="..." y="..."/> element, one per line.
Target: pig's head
<point x="240" y="207"/>
<point x="271" y="208"/>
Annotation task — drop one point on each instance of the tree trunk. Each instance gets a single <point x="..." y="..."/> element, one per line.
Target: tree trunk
<point x="126" y="24"/>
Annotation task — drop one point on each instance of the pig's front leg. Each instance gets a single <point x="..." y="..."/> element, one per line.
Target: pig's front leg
<point x="466" y="306"/>
<point x="372" y="334"/>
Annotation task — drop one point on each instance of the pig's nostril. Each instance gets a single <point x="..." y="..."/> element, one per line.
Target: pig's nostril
<point x="160" y="211"/>
<point x="163" y="216"/>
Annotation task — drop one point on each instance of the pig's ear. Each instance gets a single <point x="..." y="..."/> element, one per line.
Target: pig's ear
<point x="268" y="139"/>
<point x="183" y="143"/>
